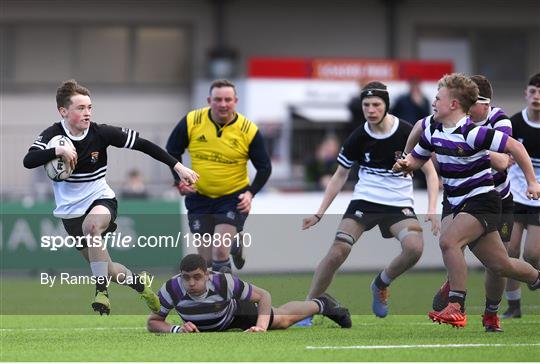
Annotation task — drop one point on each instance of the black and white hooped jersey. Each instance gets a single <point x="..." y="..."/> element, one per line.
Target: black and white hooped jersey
<point x="376" y="154"/>
<point x="214" y="310"/>
<point x="87" y="182"/>
<point x="462" y="153"/>
<point x="527" y="133"/>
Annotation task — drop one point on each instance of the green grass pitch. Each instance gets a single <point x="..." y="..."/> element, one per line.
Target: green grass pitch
<point x="33" y="328"/>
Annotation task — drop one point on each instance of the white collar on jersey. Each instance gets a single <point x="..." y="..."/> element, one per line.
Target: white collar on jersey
<point x="70" y="136"/>
<point x="532" y="124"/>
<point x="382" y="136"/>
<point x="459" y="124"/>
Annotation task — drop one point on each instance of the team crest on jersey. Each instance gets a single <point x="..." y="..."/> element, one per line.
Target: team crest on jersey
<point x="407" y="212"/>
<point x="39" y="138"/>
<point x="231" y="215"/>
<point x="196" y="225"/>
<point x="94" y="157"/>
<point x="460" y="151"/>
<point x="398" y="154"/>
<point x="125" y="130"/>
<point x="202" y="138"/>
<point x="359" y="214"/>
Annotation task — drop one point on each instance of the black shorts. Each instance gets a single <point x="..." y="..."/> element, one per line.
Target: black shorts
<point x="486" y="208"/>
<point x="527" y="215"/>
<point x="246" y="316"/>
<point x="204" y="213"/>
<point x="74" y="226"/>
<point x="446" y="207"/>
<point x="506" y="223"/>
<point x="370" y="214"/>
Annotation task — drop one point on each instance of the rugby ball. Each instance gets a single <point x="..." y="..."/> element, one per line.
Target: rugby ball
<point x="57" y="169"/>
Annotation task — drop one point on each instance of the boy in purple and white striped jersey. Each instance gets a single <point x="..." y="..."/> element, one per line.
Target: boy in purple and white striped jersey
<point x="483" y="114"/>
<point x="210" y="301"/>
<point x="461" y="150"/>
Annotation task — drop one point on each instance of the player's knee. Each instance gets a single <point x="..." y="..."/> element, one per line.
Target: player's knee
<point x="415" y="250"/>
<point x="338" y="253"/>
<point x="446" y="243"/>
<point x="412" y="241"/>
<point x="91" y="228"/>
<point x="502" y="268"/>
<point x="344" y="237"/>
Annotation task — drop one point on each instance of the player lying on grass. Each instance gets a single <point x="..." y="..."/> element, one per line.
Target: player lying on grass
<point x="210" y="301"/>
<point x="84" y="201"/>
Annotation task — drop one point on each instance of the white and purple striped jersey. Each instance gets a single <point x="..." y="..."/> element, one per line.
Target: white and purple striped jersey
<point x="526" y="132"/>
<point x="498" y="120"/>
<point x="376" y="154"/>
<point x="87" y="182"/>
<point x="462" y="155"/>
<point x="214" y="310"/>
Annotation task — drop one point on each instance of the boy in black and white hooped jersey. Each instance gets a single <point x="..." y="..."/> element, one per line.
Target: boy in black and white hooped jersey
<point x="461" y="150"/>
<point x="381" y="197"/>
<point x="526" y="126"/>
<point x="84" y="201"/>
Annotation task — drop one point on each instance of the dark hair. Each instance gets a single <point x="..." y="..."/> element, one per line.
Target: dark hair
<point x="484" y="86"/>
<point x="192" y="262"/>
<point x="460" y="88"/>
<point x="222" y="83"/>
<point x="534" y="80"/>
<point x="66" y="90"/>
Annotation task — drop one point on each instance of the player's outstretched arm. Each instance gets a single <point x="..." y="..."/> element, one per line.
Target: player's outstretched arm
<point x="523" y="160"/>
<point x="264" y="306"/>
<point x="332" y="189"/>
<point x="187" y="175"/>
<point x="432" y="182"/>
<point x="156" y="323"/>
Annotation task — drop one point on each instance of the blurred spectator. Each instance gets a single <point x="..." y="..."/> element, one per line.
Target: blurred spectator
<point x="357" y="114"/>
<point x="320" y="169"/>
<point x="413" y="105"/>
<point x="135" y="186"/>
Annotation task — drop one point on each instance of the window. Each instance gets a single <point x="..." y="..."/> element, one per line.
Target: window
<point x="160" y="55"/>
<point x="37" y="54"/>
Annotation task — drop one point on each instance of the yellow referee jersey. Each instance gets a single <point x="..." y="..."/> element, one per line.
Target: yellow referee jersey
<point x="219" y="154"/>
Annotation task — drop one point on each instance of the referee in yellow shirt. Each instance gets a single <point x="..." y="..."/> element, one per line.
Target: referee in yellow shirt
<point x="220" y="142"/>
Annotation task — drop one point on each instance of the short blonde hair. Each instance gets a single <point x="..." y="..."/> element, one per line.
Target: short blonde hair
<point x="461" y="88"/>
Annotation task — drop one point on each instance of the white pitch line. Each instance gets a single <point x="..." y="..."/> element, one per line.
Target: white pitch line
<point x="73" y="328"/>
<point x="419" y="346"/>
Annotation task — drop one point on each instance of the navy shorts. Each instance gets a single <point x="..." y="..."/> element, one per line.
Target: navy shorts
<point x="527" y="215"/>
<point x="204" y="213"/>
<point x="369" y="214"/>
<point x="74" y="226"/>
